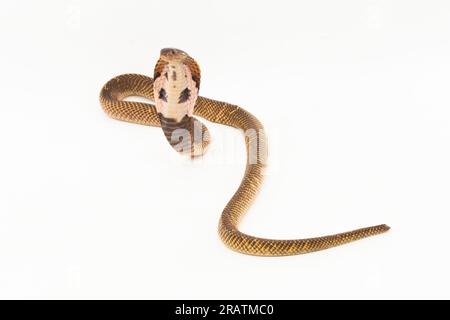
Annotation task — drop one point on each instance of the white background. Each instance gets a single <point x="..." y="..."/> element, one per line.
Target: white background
<point x="355" y="99"/>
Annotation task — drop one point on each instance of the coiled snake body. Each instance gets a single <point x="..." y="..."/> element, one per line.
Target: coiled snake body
<point x="174" y="89"/>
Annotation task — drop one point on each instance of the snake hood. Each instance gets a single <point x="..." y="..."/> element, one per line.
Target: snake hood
<point x="176" y="85"/>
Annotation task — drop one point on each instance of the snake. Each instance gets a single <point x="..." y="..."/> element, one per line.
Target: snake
<point x="176" y="107"/>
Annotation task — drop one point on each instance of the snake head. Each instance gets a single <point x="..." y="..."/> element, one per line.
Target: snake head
<point x="173" y="55"/>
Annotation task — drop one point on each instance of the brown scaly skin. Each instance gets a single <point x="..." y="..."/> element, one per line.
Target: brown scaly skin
<point x="111" y="98"/>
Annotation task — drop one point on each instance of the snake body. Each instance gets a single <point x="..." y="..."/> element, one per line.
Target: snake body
<point x="174" y="111"/>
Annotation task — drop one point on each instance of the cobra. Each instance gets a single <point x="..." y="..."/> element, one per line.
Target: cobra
<point x="174" y="90"/>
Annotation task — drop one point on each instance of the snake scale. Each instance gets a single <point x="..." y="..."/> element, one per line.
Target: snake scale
<point x="174" y="89"/>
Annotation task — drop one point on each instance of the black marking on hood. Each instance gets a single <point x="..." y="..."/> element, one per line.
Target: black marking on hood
<point x="184" y="95"/>
<point x="196" y="80"/>
<point x="162" y="95"/>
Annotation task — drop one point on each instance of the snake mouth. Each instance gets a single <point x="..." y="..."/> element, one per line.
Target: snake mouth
<point x="173" y="55"/>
